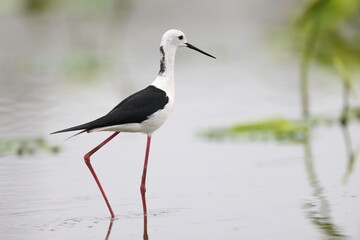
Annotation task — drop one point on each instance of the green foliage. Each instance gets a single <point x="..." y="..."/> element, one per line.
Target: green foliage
<point x="40" y="7"/>
<point x="277" y="129"/>
<point x="37" y="6"/>
<point x="344" y="74"/>
<point x="83" y="65"/>
<point x="25" y="147"/>
<point x="328" y="32"/>
<point x="354" y="113"/>
<point x="338" y="30"/>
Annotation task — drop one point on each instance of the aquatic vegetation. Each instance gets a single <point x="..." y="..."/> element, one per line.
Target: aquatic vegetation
<point x="26" y="147"/>
<point x="326" y="31"/>
<point x="37" y="6"/>
<point x="333" y="27"/>
<point x="276" y="129"/>
<point x="83" y="65"/>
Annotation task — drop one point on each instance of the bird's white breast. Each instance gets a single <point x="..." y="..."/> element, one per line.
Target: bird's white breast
<point x="159" y="117"/>
<point x="156" y="119"/>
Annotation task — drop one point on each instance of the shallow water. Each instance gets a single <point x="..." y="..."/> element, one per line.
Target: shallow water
<point x="202" y="190"/>
<point x="196" y="189"/>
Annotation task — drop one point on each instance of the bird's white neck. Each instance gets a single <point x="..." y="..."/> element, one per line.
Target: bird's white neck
<point x="167" y="60"/>
<point x="165" y="78"/>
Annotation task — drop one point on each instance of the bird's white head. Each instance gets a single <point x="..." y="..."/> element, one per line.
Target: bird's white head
<point x="170" y="42"/>
<point x="175" y="38"/>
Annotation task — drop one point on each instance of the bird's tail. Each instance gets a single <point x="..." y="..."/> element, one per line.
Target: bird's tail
<point x="86" y="127"/>
<point x="75" y="134"/>
<point x="76" y="128"/>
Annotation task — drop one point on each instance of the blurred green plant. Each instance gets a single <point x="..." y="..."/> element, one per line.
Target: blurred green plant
<point x="329" y="28"/>
<point x="347" y="90"/>
<point x="325" y="30"/>
<point x="83" y="65"/>
<point x="347" y="113"/>
<point x="278" y="129"/>
<point x="26" y="147"/>
<point x="37" y="6"/>
<point x="275" y="129"/>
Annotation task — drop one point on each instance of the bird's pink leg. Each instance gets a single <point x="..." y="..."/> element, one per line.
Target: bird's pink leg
<point x="143" y="178"/>
<point x="87" y="161"/>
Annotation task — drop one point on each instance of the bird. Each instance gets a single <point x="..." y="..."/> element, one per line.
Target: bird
<point x="142" y="112"/>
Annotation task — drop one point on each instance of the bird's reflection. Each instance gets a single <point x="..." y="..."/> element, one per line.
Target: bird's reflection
<point x="145" y="235"/>
<point x="143" y="200"/>
<point x="145" y="232"/>
<point x="318" y="210"/>
<point x="109" y="229"/>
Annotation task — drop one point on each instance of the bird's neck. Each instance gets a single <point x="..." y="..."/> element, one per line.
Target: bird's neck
<point x="167" y="61"/>
<point x="165" y="78"/>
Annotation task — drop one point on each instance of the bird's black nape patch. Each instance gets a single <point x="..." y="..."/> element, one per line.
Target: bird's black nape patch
<point x="162" y="61"/>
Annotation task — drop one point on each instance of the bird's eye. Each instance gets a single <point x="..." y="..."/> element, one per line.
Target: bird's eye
<point x="181" y="37"/>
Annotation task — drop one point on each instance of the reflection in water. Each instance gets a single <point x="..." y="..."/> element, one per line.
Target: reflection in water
<point x="109" y="228"/>
<point x="344" y="121"/>
<point x="318" y="210"/>
<point x="351" y="153"/>
<point x="145" y="235"/>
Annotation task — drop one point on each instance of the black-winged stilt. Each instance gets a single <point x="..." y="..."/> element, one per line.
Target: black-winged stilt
<point x="144" y="111"/>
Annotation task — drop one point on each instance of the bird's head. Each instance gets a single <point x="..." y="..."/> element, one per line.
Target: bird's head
<point x="176" y="38"/>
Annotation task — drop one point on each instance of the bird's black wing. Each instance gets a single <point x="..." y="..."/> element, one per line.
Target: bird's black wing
<point x="134" y="109"/>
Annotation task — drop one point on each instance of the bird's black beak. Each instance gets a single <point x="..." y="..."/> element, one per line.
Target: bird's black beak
<point x="196" y="49"/>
